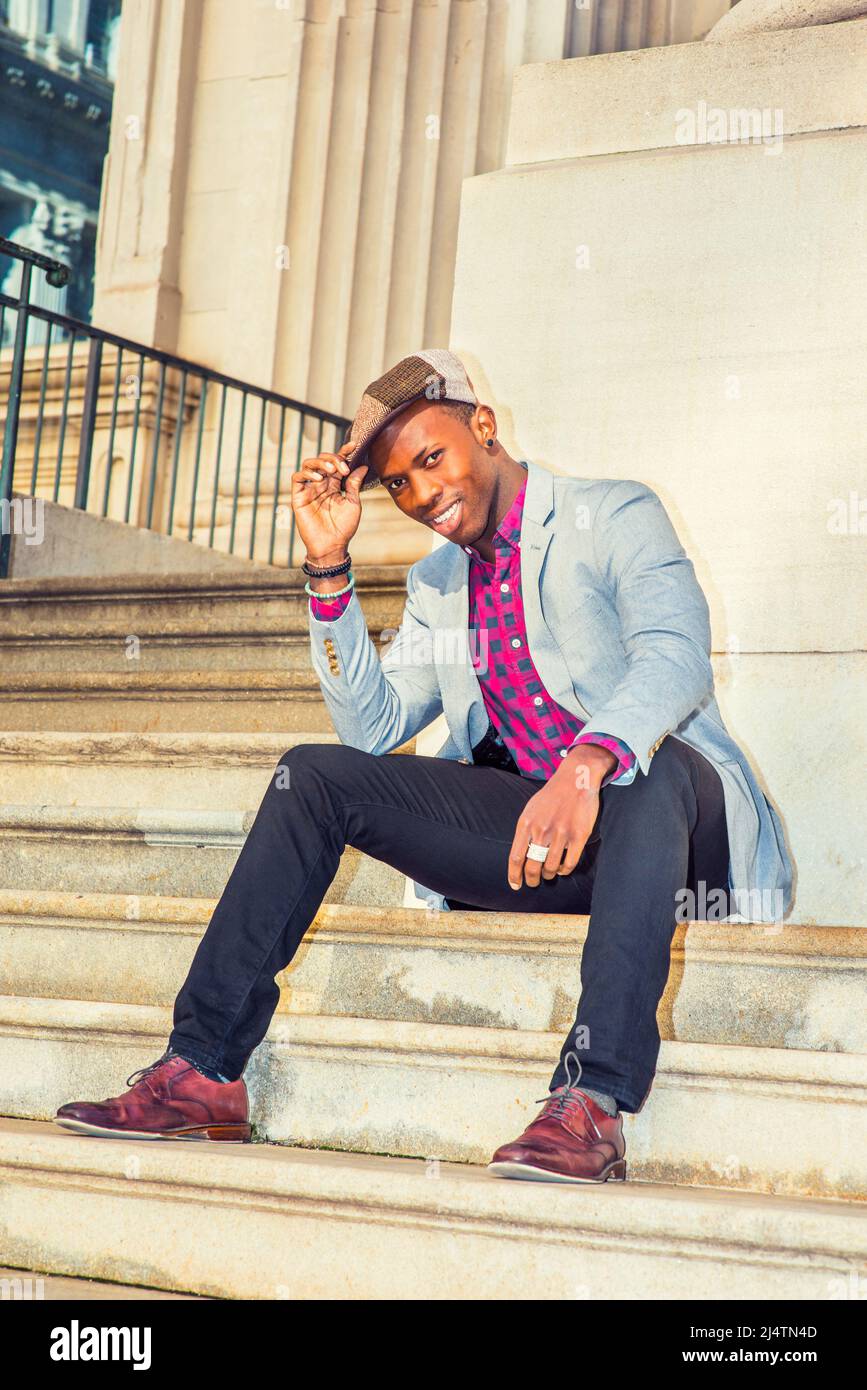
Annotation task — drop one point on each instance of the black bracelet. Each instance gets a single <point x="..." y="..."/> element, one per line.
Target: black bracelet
<point x="314" y="572"/>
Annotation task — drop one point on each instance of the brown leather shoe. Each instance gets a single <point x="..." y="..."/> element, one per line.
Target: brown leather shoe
<point x="170" y="1101"/>
<point x="572" y="1139"/>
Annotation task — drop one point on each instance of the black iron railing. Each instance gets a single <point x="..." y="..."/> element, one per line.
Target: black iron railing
<point x="112" y="427"/>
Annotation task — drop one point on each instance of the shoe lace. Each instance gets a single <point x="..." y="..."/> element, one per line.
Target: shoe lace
<point x="146" y="1071"/>
<point x="565" y="1101"/>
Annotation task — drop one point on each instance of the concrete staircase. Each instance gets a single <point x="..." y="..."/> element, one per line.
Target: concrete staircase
<point x="138" y="723"/>
<point x="224" y="652"/>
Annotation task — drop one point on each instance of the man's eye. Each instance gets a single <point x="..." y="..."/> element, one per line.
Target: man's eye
<point x="433" y="455"/>
<point x="395" y="482"/>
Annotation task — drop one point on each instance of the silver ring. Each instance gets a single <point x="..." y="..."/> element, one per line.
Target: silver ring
<point x="538" y="852"/>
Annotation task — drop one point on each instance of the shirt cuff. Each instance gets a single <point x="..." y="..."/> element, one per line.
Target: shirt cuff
<point x="624" y="755"/>
<point x="326" y="610"/>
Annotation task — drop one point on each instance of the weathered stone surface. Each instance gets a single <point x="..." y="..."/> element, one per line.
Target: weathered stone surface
<point x="258" y="1221"/>
<point x="774" y="86"/>
<point x="725" y="1116"/>
<point x="780" y="987"/>
<point x="181" y="853"/>
<point x="766" y="16"/>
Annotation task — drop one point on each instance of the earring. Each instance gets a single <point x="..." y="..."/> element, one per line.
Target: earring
<point x="489" y="443"/>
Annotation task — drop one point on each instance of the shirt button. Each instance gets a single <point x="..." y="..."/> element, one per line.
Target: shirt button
<point x="504" y="588"/>
<point x="516" y="641"/>
<point x="537" y="700"/>
<point x="563" y="752"/>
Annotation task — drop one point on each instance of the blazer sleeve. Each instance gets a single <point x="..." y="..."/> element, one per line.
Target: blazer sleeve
<point x="664" y="621"/>
<point x="376" y="705"/>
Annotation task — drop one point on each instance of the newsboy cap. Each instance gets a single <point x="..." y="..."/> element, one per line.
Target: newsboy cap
<point x="434" y="372"/>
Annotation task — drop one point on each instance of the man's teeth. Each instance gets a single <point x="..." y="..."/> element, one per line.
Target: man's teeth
<point x="444" y="516"/>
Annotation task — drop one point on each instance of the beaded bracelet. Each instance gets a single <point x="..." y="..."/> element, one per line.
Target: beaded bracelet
<point x="335" y="593"/>
<point x="331" y="572"/>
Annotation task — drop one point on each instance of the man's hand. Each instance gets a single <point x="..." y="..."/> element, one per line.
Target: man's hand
<point x="326" y="516"/>
<point x="562" y="815"/>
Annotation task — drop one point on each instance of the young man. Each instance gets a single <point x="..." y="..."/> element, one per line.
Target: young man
<point x="563" y="634"/>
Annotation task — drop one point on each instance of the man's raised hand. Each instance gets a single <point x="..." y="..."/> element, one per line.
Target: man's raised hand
<point x="326" y="516"/>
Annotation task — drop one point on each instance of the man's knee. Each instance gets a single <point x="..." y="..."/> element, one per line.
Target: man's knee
<point x="305" y="754"/>
<point x="305" y="781"/>
<point x="308" y="765"/>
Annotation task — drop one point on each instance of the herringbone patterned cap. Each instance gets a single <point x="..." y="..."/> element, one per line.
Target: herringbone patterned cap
<point x="434" y="372"/>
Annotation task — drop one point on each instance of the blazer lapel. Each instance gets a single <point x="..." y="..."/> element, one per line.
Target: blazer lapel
<point x="537" y="532"/>
<point x="463" y="702"/>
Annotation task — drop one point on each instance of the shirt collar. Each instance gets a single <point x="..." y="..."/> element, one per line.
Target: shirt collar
<point x="508" y="533"/>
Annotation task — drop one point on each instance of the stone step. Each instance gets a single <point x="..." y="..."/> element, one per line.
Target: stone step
<point x="164" y="702"/>
<point x="130" y="850"/>
<point x="263" y="1221"/>
<point x="222" y="652"/>
<point x="33" y="1285"/>
<point x="771" y="1120"/>
<point x="134" y="626"/>
<point x="752" y="985"/>
<point x="143" y="769"/>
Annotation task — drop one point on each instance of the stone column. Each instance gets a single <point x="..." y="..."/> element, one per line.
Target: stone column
<point x="138" y="292"/>
<point x="282" y="189"/>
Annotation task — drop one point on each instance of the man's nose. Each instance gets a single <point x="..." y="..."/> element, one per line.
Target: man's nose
<point x="426" y="497"/>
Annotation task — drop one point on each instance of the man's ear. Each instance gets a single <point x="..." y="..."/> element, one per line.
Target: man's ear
<point x="483" y="423"/>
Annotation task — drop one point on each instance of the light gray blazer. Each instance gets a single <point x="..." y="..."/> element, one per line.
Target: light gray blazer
<point x="619" y="631"/>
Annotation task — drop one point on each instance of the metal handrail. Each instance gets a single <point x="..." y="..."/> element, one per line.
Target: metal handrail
<point x="183" y="389"/>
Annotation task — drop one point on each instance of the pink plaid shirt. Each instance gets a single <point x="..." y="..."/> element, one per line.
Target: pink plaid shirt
<point x="537" y="731"/>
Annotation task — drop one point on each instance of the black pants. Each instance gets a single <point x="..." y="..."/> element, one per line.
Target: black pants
<point x="450" y="826"/>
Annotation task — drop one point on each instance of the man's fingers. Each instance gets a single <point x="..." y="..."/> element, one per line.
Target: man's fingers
<point x="313" y="474"/>
<point x="555" y="854"/>
<point x="309" y="472"/>
<point x="354" y="481"/>
<point x="327" y="464"/>
<point x="517" y="863"/>
<point x="334" y="463"/>
<point x="574" y="850"/>
<point x="522" y="868"/>
<point x="517" y="856"/>
<point x="532" y="868"/>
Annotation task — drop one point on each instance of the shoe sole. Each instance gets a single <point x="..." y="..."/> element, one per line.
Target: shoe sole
<point x="232" y="1134"/>
<point x="528" y="1171"/>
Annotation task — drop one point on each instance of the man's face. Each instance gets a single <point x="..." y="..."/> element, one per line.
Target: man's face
<point x="437" y="469"/>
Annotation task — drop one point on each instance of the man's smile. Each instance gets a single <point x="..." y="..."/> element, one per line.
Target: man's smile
<point x="447" y="520"/>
